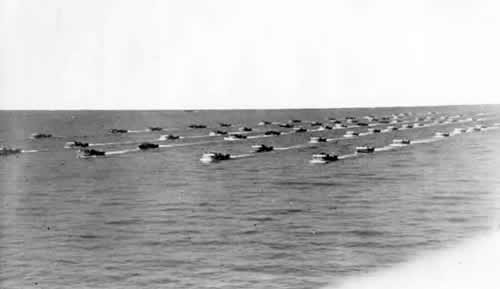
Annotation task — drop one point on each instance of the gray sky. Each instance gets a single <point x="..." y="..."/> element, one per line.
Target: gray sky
<point x="247" y="54"/>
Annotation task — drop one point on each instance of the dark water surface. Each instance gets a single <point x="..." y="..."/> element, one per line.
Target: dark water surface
<point x="162" y="219"/>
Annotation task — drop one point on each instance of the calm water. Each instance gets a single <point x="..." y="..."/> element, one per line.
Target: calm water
<point x="164" y="220"/>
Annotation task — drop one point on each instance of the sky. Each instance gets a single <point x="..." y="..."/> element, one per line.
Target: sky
<point x="194" y="54"/>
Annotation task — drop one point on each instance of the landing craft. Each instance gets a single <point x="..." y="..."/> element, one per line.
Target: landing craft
<point x="400" y="142"/>
<point x="441" y="134"/>
<point x="76" y="144"/>
<point x="317" y="139"/>
<point x="262" y="148"/>
<point x="217" y="133"/>
<point x="323" y="158"/>
<point x="148" y="146"/>
<point x="118" y="131"/>
<point x="244" y="128"/>
<point x="213" y="157"/>
<point x="155" y="128"/>
<point x="272" y="132"/>
<point x="168" y="137"/>
<point x="88" y="153"/>
<point x="365" y="149"/>
<point x="5" y="151"/>
<point x="299" y="129"/>
<point x="41" y="135"/>
<point x="351" y="133"/>
<point x="234" y="137"/>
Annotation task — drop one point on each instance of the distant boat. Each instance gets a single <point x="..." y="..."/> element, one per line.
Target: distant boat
<point x="299" y="129"/>
<point x="234" y="137"/>
<point x="264" y="123"/>
<point x="365" y="149"/>
<point x="441" y="134"/>
<point x="400" y="142"/>
<point x="169" y="137"/>
<point x="155" y="128"/>
<point x="212" y="157"/>
<point x="222" y="124"/>
<point x="323" y="158"/>
<point x="373" y="130"/>
<point x="87" y="153"/>
<point x="272" y="132"/>
<point x="217" y="133"/>
<point x="262" y="148"/>
<point x="41" y="135"/>
<point x="5" y="151"/>
<point x="76" y="144"/>
<point x="118" y="131"/>
<point x="197" y="126"/>
<point x="245" y="129"/>
<point x="148" y="146"/>
<point x="351" y="133"/>
<point x="317" y="139"/>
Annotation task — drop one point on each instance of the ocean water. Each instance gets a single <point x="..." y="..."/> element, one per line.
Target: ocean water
<point x="162" y="219"/>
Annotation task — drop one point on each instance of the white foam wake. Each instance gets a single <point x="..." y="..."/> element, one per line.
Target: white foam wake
<point x="473" y="264"/>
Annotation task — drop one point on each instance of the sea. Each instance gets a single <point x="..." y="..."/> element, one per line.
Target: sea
<point x="163" y="219"/>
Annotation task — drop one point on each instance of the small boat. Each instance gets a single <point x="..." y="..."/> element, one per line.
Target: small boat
<point x="365" y="149"/>
<point x="400" y="142"/>
<point x="148" y="146"/>
<point x="234" y="137"/>
<point x="315" y="123"/>
<point x="391" y="128"/>
<point x="155" y="128"/>
<point x="272" y="132"/>
<point x="373" y="130"/>
<point x="317" y="139"/>
<point x="459" y="130"/>
<point x="264" y="123"/>
<point x="5" y="151"/>
<point x="323" y="158"/>
<point x="362" y="124"/>
<point x="324" y="127"/>
<point x="41" y="135"/>
<point x="351" y="133"/>
<point x="76" y="144"/>
<point x="285" y="125"/>
<point x="169" y="137"/>
<point x="118" y="130"/>
<point x="222" y="124"/>
<point x="88" y="153"/>
<point x="217" y="133"/>
<point x="299" y="129"/>
<point x="245" y="128"/>
<point x="213" y="157"/>
<point x="262" y="148"/>
<point x="340" y="125"/>
<point x="197" y="126"/>
<point x="336" y="121"/>
<point x="295" y="121"/>
<point x="441" y="134"/>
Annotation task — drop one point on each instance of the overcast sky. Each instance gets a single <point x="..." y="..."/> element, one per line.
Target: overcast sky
<point x="129" y="54"/>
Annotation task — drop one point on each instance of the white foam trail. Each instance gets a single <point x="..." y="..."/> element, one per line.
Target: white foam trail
<point x="292" y="147"/>
<point x="138" y="131"/>
<point x="348" y="156"/>
<point x="242" y="156"/>
<point x="29" y="151"/>
<point x="258" y="136"/>
<point x="121" y="152"/>
<point x="473" y="264"/>
<point x="386" y="148"/>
